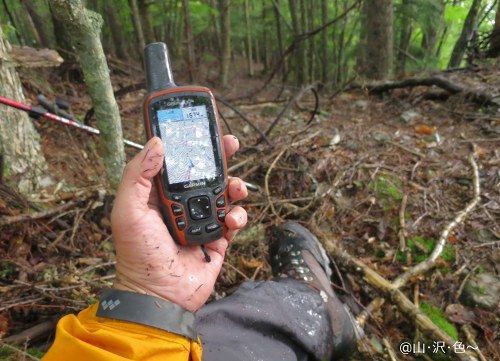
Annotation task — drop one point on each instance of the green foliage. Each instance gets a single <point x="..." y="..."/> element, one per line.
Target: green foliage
<point x="7" y="270"/>
<point x="438" y="317"/>
<point x="421" y="247"/>
<point x="387" y="189"/>
<point x="7" y="354"/>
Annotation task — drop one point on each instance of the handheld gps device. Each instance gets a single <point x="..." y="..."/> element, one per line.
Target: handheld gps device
<point x="192" y="183"/>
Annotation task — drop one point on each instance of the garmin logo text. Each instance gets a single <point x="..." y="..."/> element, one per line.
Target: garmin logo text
<point x="195" y="184"/>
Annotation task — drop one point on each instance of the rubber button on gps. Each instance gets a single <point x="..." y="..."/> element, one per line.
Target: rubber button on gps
<point x="217" y="190"/>
<point x="195" y="230"/>
<point x="220" y="202"/>
<point x="221" y="215"/>
<point x="212" y="227"/>
<point x="181" y="223"/>
<point x="176" y="197"/>
<point x="176" y="209"/>
<point x="199" y="207"/>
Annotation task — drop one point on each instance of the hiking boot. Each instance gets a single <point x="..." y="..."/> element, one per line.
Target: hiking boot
<point x="296" y="253"/>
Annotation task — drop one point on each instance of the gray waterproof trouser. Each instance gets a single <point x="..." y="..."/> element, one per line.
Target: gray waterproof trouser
<point x="266" y="321"/>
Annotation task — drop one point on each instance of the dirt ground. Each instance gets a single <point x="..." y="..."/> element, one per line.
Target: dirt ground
<point x="345" y="176"/>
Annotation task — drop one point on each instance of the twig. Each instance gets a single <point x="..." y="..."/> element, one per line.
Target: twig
<point x="402" y="223"/>
<point x="245" y="119"/>
<point x="390" y="350"/>
<point x="18" y="351"/>
<point x="5" y="221"/>
<point x="459" y="218"/>
<point x="464" y="281"/>
<point x="374" y="305"/>
<point x="15" y="304"/>
<point x="287" y="107"/>
<point x="471" y="341"/>
<point x="266" y="182"/>
<point x="236" y="270"/>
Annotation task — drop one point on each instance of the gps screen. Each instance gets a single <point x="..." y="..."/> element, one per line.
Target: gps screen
<point x="189" y="154"/>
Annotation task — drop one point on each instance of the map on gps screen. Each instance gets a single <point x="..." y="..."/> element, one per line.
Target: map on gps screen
<point x="189" y="154"/>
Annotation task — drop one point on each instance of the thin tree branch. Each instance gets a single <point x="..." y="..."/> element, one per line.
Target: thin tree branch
<point x="459" y="218"/>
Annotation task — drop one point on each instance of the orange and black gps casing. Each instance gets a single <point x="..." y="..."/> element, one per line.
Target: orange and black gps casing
<point x="194" y="211"/>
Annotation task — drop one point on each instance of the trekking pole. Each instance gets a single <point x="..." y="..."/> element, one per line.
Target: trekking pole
<point x="37" y="112"/>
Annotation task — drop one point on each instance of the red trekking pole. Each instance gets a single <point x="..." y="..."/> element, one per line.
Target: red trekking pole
<point x="37" y="112"/>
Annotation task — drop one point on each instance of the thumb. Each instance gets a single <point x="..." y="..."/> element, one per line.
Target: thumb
<point x="136" y="182"/>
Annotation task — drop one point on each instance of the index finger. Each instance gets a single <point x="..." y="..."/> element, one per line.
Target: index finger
<point x="231" y="145"/>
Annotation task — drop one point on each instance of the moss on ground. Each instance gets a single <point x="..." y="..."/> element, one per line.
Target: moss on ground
<point x="437" y="316"/>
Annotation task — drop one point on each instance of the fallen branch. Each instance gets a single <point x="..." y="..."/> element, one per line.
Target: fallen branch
<point x="287" y="107"/>
<point x="459" y="218"/>
<point x="31" y="333"/>
<point x="477" y="96"/>
<point x="257" y="129"/>
<point x="5" y="221"/>
<point x="404" y="304"/>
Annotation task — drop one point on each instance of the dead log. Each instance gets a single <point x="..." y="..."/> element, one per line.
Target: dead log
<point x="27" y="57"/>
<point x="32" y="333"/>
<point x="477" y="96"/>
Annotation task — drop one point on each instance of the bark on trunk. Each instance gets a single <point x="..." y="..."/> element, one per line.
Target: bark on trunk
<point x="248" y="37"/>
<point x="137" y="26"/>
<point x="465" y="36"/>
<point x="147" y="29"/>
<point x="277" y="16"/>
<point x="324" y="41"/>
<point x="116" y="31"/>
<point x="22" y="164"/>
<point x="432" y="31"/>
<point x="299" y="51"/>
<point x="191" y="60"/>
<point x="404" y="36"/>
<point x="495" y="36"/>
<point x="40" y="25"/>
<point x="225" y="21"/>
<point x="378" y="15"/>
<point x="84" y="30"/>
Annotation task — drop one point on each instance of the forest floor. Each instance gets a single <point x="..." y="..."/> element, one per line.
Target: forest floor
<point x="365" y="172"/>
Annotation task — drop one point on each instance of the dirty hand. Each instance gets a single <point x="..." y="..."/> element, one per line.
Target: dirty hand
<point x="147" y="259"/>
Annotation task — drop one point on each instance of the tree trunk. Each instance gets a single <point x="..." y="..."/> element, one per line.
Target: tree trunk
<point x="62" y="38"/>
<point x="31" y="8"/>
<point x="116" y="31"/>
<point x="137" y="26"/>
<point x="147" y="29"/>
<point x="405" y="25"/>
<point x="84" y="29"/>
<point x="225" y="21"/>
<point x="248" y="38"/>
<point x="191" y="60"/>
<point x="265" y="37"/>
<point x="495" y="36"/>
<point x="304" y="46"/>
<point x="22" y="164"/>
<point x="431" y="32"/>
<point x="465" y="36"/>
<point x="13" y="22"/>
<point x="277" y="16"/>
<point x="378" y="15"/>
<point x="299" y="51"/>
<point x="324" y="41"/>
<point x="215" y="28"/>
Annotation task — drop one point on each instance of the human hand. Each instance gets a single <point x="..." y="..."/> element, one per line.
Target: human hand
<point x="147" y="258"/>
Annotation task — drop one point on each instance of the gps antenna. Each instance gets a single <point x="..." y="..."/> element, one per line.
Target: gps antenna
<point x="158" y="69"/>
